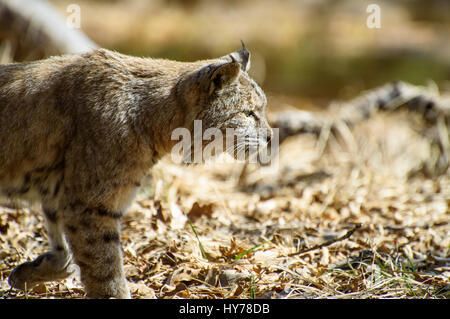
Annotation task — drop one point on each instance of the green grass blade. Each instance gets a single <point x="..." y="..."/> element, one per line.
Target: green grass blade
<point x="239" y="256"/>
<point x="198" y="239"/>
<point x="251" y="287"/>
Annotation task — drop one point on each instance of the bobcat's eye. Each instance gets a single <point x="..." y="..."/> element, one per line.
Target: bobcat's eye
<point x="253" y="114"/>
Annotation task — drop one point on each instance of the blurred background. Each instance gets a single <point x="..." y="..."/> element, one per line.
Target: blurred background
<point x="304" y="52"/>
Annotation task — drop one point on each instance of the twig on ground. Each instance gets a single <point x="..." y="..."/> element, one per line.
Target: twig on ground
<point x="327" y="243"/>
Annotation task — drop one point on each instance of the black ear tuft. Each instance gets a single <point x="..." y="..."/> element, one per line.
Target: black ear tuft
<point x="242" y="56"/>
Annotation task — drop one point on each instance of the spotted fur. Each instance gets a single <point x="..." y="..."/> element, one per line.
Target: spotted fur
<point x="79" y="132"/>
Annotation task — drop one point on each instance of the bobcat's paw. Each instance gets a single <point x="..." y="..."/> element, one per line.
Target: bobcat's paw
<point x="21" y="276"/>
<point x="29" y="274"/>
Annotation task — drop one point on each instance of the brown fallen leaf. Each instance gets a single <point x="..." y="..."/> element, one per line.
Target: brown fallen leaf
<point x="198" y="210"/>
<point x="141" y="289"/>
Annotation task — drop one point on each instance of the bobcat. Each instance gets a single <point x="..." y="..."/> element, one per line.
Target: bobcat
<point x="79" y="132"/>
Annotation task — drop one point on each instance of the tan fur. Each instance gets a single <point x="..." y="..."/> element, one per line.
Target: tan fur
<point x="79" y="132"/>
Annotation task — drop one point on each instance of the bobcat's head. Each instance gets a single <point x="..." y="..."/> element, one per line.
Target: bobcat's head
<point x="221" y="95"/>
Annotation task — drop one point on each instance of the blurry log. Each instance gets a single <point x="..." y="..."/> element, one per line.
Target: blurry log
<point x="396" y="96"/>
<point x="297" y="122"/>
<point x="433" y="108"/>
<point x="390" y="97"/>
<point x="35" y="26"/>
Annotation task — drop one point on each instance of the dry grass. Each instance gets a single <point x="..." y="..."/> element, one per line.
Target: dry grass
<point x="250" y="224"/>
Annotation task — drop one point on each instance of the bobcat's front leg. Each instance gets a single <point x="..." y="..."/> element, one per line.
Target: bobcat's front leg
<point x="94" y="238"/>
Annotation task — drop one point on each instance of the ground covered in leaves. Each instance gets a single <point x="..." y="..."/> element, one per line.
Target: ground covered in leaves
<point x="341" y="216"/>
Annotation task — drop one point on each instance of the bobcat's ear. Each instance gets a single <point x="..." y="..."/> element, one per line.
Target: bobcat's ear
<point x="242" y="57"/>
<point x="224" y="75"/>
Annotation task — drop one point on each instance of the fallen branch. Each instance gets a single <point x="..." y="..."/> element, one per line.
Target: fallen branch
<point x="328" y="242"/>
<point x="432" y="107"/>
<point x="35" y="26"/>
<point x="390" y="97"/>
